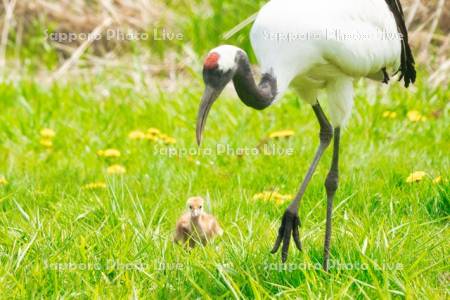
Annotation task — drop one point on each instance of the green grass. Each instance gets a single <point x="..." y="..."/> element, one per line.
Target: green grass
<point x="58" y="240"/>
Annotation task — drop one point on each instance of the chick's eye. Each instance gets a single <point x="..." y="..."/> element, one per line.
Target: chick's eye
<point x="200" y="207"/>
<point x="190" y="206"/>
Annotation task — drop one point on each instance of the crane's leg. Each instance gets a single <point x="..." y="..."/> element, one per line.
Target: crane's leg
<point x="331" y="184"/>
<point x="290" y="221"/>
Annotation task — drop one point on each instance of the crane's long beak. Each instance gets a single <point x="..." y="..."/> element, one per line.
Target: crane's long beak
<point x="209" y="96"/>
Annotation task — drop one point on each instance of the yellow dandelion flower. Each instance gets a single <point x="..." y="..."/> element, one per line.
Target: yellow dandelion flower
<point x="136" y="135"/>
<point x="257" y="196"/>
<point x="280" y="199"/>
<point x="167" y="139"/>
<point x="116" y="170"/>
<point x="46" y="142"/>
<point x="3" y="181"/>
<point x="415" y="116"/>
<point x="151" y="137"/>
<point x="153" y="131"/>
<point x="272" y="196"/>
<point x="437" y="180"/>
<point x="275" y="194"/>
<point x="287" y="197"/>
<point x="416" y="176"/>
<point x="47" y="133"/>
<point x="109" y="153"/>
<point x="264" y="196"/>
<point x="282" y="134"/>
<point x="94" y="185"/>
<point x="389" y="114"/>
<point x="267" y="196"/>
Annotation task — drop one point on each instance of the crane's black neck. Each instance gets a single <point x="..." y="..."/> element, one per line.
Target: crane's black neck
<point x="256" y="96"/>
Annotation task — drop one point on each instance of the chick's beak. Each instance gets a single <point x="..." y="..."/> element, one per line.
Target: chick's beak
<point x="195" y="212"/>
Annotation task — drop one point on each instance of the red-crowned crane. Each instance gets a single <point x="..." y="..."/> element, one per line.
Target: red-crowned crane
<point x="311" y="46"/>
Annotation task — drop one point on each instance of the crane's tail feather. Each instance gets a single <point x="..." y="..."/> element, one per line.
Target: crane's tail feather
<point x="407" y="69"/>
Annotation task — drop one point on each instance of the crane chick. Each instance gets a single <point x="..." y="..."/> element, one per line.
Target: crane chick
<point x="196" y="226"/>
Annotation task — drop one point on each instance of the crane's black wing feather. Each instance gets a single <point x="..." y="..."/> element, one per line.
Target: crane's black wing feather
<point x="407" y="69"/>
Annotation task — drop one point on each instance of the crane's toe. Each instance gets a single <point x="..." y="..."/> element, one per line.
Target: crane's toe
<point x="289" y="226"/>
<point x="295" y="233"/>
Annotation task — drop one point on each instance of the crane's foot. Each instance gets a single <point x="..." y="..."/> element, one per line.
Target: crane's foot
<point x="290" y="224"/>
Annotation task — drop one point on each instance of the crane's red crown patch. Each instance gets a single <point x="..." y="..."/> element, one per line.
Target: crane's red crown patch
<point x="211" y="61"/>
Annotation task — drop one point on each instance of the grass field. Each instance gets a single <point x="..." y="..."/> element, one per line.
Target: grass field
<point x="61" y="236"/>
<point x="96" y="167"/>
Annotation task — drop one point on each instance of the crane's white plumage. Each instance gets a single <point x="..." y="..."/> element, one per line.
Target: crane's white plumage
<point x="322" y="44"/>
<point x="325" y="44"/>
